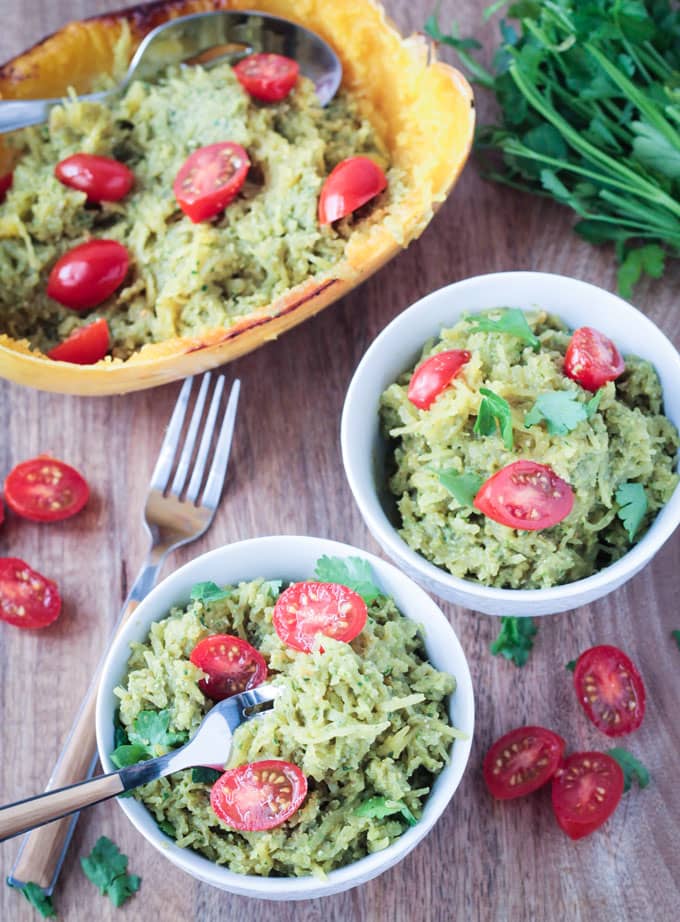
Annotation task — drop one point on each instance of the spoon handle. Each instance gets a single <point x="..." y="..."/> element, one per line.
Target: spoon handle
<point x="20" y="113"/>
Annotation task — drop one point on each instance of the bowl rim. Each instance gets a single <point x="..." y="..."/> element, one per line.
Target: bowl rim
<point x="156" y="606"/>
<point x="366" y="496"/>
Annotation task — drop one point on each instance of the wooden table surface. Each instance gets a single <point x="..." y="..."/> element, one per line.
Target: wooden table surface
<point x="484" y="861"/>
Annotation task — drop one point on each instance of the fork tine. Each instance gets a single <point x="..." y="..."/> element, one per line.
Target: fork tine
<point x="190" y="438"/>
<point x="204" y="447"/>
<point x="218" y="469"/>
<point x="166" y="456"/>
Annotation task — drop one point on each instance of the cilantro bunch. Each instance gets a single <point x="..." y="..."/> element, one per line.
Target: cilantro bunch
<point x="589" y="100"/>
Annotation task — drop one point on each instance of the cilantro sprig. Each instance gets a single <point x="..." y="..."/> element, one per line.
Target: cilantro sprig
<point x="208" y="592"/>
<point x="633" y="769"/>
<point x="106" y="867"/>
<point x="464" y="487"/>
<point x="632" y="502"/>
<point x="352" y="572"/>
<point x="379" y="807"/>
<point x="561" y="411"/>
<point x="148" y="737"/>
<point x="494" y="412"/>
<point x="203" y="775"/>
<point x="510" y="320"/>
<point x="676" y="637"/>
<point x="515" y="640"/>
<point x="38" y="899"/>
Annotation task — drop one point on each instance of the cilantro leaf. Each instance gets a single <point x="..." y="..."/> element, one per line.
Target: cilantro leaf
<point x="571" y="665"/>
<point x="167" y="828"/>
<point x="676" y="636"/>
<point x="120" y="737"/>
<point x="37" y="897"/>
<point x="649" y="259"/>
<point x="129" y="754"/>
<point x="208" y="592"/>
<point x="494" y="410"/>
<point x="203" y="775"/>
<point x="379" y="807"/>
<point x="352" y="572"/>
<point x="593" y="405"/>
<point x="515" y="640"/>
<point x="106" y="867"/>
<point x="561" y="410"/>
<point x="633" y="769"/>
<point x="464" y="487"/>
<point x="274" y="586"/>
<point x="632" y="501"/>
<point x="511" y="321"/>
<point x="148" y="732"/>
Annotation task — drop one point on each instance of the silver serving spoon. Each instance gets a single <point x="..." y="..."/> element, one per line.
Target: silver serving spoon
<point x="193" y="39"/>
<point x="210" y="745"/>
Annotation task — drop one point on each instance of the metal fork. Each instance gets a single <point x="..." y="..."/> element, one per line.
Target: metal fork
<point x="175" y="513"/>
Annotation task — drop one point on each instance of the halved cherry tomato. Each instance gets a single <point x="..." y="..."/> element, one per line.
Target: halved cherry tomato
<point x="434" y="376"/>
<point x="525" y="495"/>
<point x="232" y="665"/>
<point x="304" y="610"/>
<point x="258" y="796"/>
<point x="522" y="761"/>
<point x="2" y="512"/>
<point x="27" y="599"/>
<point x="592" y="359"/>
<point x="209" y="179"/>
<point x="267" y="77"/>
<point x="5" y="185"/>
<point x="102" y="179"/>
<point x="586" y="790"/>
<point x="45" y="489"/>
<point x="85" y="346"/>
<point x="610" y="690"/>
<point x="88" y="274"/>
<point x="351" y="184"/>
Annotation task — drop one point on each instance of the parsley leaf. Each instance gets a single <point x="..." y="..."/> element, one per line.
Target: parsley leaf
<point x="561" y="410"/>
<point x="494" y="410"/>
<point x="148" y="733"/>
<point x="464" y="487"/>
<point x="515" y="640"/>
<point x="571" y="665"/>
<point x="37" y="897"/>
<point x="202" y="775"/>
<point x="208" y="592"/>
<point x="632" y="501"/>
<point x="633" y="769"/>
<point x="379" y="807"/>
<point x="352" y="572"/>
<point x="511" y="321"/>
<point x="106" y="867"/>
<point x="676" y="637"/>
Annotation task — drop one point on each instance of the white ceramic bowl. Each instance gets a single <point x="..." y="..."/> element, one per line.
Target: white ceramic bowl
<point x="293" y="558"/>
<point x="398" y="347"/>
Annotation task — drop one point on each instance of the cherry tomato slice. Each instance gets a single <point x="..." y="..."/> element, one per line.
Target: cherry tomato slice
<point x="45" y="490"/>
<point x="102" y="179"/>
<point x="88" y="274"/>
<point x="306" y="609"/>
<point x="258" y="796"/>
<point x="586" y="790"/>
<point x="592" y="359"/>
<point x="610" y="690"/>
<point x="85" y="346"/>
<point x="232" y="665"/>
<point x="351" y="184"/>
<point x="434" y="376"/>
<point x="267" y="77"/>
<point x="525" y="495"/>
<point x="209" y="179"/>
<point x="5" y="185"/>
<point x="27" y="599"/>
<point x="522" y="761"/>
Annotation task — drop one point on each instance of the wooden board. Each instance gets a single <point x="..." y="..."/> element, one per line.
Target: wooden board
<point x="484" y="861"/>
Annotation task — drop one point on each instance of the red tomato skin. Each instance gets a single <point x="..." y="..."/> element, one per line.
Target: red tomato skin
<point x="205" y="164"/>
<point x="218" y="685"/>
<point x="5" y="185"/>
<point x="34" y="602"/>
<point x="611" y="659"/>
<point x="496" y="502"/>
<point x="267" y="77"/>
<point x="299" y="633"/>
<point x="570" y="820"/>
<point x="431" y="378"/>
<point x="2" y="512"/>
<point x="84" y="346"/>
<point x="349" y="185"/>
<point x="223" y="795"/>
<point x="542" y="744"/>
<point x="30" y="488"/>
<point x="102" y="179"/>
<point x="592" y="359"/>
<point x="88" y="274"/>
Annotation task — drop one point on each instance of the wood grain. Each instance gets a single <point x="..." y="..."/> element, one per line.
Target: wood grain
<point x="484" y="861"/>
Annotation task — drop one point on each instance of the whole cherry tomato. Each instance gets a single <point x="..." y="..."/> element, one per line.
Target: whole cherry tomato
<point x="88" y="274"/>
<point x="102" y="179"/>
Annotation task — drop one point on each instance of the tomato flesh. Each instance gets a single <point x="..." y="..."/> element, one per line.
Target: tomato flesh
<point x="88" y="274"/>
<point x="5" y="185"/>
<point x="85" y="345"/>
<point x="267" y="77"/>
<point x="522" y="761"/>
<point x="351" y="184"/>
<point x="45" y="489"/>
<point x="209" y="179"/>
<point x="592" y="359"/>
<point x="610" y="690"/>
<point x="586" y="790"/>
<point x="525" y="495"/>
<point x="2" y="512"/>
<point x="231" y="665"/>
<point x="27" y="598"/>
<point x="102" y="179"/>
<point x="304" y="610"/>
<point x="431" y="378"/>
<point x="258" y="796"/>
